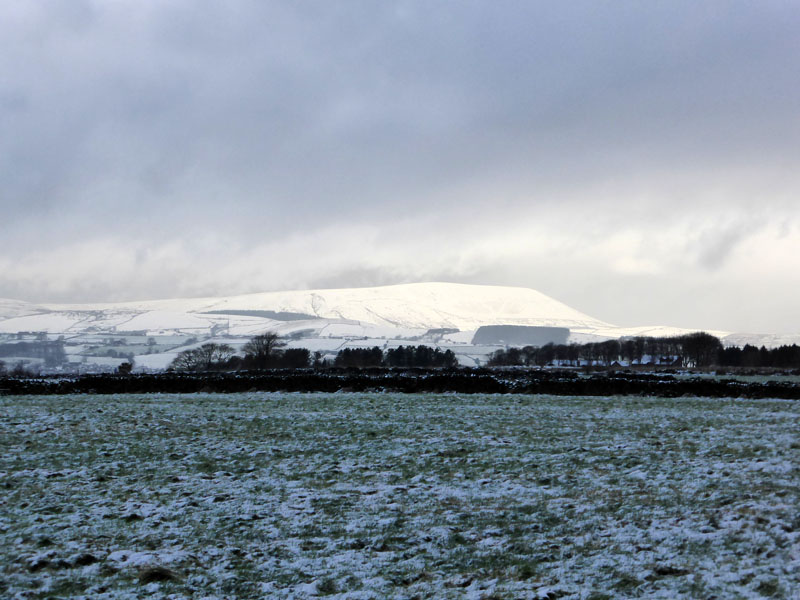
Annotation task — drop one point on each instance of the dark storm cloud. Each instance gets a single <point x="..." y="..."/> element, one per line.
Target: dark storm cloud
<point x="217" y="134"/>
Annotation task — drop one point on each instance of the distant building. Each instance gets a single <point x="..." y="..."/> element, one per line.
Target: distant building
<point x="520" y="335"/>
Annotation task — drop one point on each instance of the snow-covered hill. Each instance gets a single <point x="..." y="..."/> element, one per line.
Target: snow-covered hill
<point x="16" y="308"/>
<point x="412" y="306"/>
<point x="154" y="331"/>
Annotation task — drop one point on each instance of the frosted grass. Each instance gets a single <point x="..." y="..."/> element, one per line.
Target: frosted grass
<point x="398" y="496"/>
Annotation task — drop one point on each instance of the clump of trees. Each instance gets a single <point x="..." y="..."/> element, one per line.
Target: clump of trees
<point x="268" y="351"/>
<point x="783" y="357"/>
<point x="51" y="351"/>
<point x="293" y="358"/>
<point x="265" y="351"/>
<point x="692" y="350"/>
<point x="208" y="357"/>
<point x="402" y="356"/>
<point x="125" y="368"/>
<point x="420" y="356"/>
<point x="359" y="357"/>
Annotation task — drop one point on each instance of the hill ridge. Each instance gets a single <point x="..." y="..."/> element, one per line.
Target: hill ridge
<point x="414" y="305"/>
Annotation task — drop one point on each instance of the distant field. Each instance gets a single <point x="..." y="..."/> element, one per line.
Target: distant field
<point x="398" y="496"/>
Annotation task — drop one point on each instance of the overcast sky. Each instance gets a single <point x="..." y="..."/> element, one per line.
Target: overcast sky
<point x="639" y="161"/>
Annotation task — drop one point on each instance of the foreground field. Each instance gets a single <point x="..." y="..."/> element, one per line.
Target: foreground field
<point x="398" y="496"/>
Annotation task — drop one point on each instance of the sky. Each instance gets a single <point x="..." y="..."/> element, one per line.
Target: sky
<point x="635" y="160"/>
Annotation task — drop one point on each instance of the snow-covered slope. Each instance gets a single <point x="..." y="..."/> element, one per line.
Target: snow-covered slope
<point x="16" y="308"/>
<point x="412" y="306"/>
<point x="388" y="312"/>
<point x="425" y="305"/>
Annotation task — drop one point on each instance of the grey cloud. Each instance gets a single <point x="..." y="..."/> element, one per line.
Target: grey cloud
<point x="715" y="246"/>
<point x="245" y="121"/>
<point x="362" y="277"/>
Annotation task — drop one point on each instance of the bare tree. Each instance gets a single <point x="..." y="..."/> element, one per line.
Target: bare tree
<point x="209" y="355"/>
<point x="262" y="349"/>
<point x="205" y="358"/>
<point x="700" y="349"/>
<point x="185" y="361"/>
<point x="125" y="368"/>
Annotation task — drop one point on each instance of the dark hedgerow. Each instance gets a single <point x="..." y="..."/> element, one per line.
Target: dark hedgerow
<point x="462" y="380"/>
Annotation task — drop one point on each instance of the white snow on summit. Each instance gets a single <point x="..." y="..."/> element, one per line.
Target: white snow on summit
<point x="421" y="305"/>
<point x="330" y="319"/>
<point x="410" y="306"/>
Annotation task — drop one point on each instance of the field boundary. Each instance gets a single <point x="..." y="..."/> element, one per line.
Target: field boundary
<point x="462" y="380"/>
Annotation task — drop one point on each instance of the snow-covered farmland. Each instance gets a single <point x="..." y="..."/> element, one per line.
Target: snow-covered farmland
<point x="398" y="496"/>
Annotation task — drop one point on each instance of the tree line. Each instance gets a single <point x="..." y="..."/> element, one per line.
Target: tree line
<point x="699" y="350"/>
<point x="265" y="351"/>
<point x="402" y="356"/>
<point x="52" y="352"/>
<point x="692" y="350"/>
<point x="268" y="351"/>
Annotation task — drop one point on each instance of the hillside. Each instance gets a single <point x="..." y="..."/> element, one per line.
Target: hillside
<point x="411" y="306"/>
<point x="100" y="336"/>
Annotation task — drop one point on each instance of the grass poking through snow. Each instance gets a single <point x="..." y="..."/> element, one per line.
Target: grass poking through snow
<point x="398" y="496"/>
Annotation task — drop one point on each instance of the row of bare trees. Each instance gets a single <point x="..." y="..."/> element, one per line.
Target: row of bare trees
<point x="695" y="349"/>
<point x="268" y="351"/>
<point x="208" y="357"/>
<point x="263" y="351"/>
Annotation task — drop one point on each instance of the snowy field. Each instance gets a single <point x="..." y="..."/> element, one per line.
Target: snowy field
<point x="398" y="496"/>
